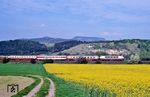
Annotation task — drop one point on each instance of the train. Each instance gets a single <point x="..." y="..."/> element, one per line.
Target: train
<point x="62" y="57"/>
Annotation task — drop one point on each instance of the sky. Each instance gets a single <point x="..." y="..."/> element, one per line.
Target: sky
<point x="110" y="19"/>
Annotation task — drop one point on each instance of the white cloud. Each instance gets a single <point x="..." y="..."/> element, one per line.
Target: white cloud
<point x="108" y="9"/>
<point x="110" y="33"/>
<point x="43" y="25"/>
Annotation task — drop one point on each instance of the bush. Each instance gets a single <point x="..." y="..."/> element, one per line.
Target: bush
<point x="140" y="62"/>
<point x="134" y="59"/>
<point x="48" y="61"/>
<point x="98" y="62"/>
<point x="5" y="60"/>
<point x="33" y="61"/>
<point x="82" y="61"/>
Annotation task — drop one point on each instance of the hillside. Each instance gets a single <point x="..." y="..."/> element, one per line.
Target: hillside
<point x="65" y="45"/>
<point x="21" y="47"/>
<point x="128" y="48"/>
<point x="131" y="49"/>
<point x="48" y="41"/>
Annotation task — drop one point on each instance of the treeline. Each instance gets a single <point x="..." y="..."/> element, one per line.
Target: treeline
<point x="65" y="45"/>
<point x="28" y="47"/>
<point x="21" y="47"/>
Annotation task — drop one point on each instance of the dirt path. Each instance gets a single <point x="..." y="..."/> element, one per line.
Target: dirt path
<point x="51" y="92"/>
<point x="35" y="90"/>
<point x="19" y="80"/>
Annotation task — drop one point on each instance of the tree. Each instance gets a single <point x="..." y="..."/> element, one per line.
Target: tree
<point x="98" y="62"/>
<point x="82" y="61"/>
<point x="5" y="60"/>
<point x="134" y="58"/>
<point x="33" y="61"/>
<point x="48" y="61"/>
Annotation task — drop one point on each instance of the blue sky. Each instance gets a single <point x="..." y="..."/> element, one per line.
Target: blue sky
<point x="110" y="19"/>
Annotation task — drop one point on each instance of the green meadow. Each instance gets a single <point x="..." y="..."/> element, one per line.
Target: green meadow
<point x="22" y="69"/>
<point x="63" y="88"/>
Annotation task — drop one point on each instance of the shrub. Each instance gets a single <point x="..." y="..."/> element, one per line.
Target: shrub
<point x="48" y="61"/>
<point x="6" y="60"/>
<point x="98" y="62"/>
<point x="33" y="61"/>
<point x="82" y="61"/>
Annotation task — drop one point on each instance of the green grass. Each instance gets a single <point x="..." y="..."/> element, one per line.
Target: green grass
<point x="44" y="89"/>
<point x="66" y="88"/>
<point x="26" y="90"/>
<point x="22" y="69"/>
<point x="73" y="89"/>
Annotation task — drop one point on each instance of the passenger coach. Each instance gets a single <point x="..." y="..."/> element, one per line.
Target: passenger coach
<point x="63" y="58"/>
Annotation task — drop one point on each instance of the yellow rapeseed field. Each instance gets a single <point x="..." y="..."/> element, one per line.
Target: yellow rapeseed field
<point x="124" y="80"/>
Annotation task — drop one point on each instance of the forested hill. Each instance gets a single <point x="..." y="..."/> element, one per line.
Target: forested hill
<point x="21" y="47"/>
<point x="29" y="47"/>
<point x="131" y="49"/>
<point x="65" y="45"/>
